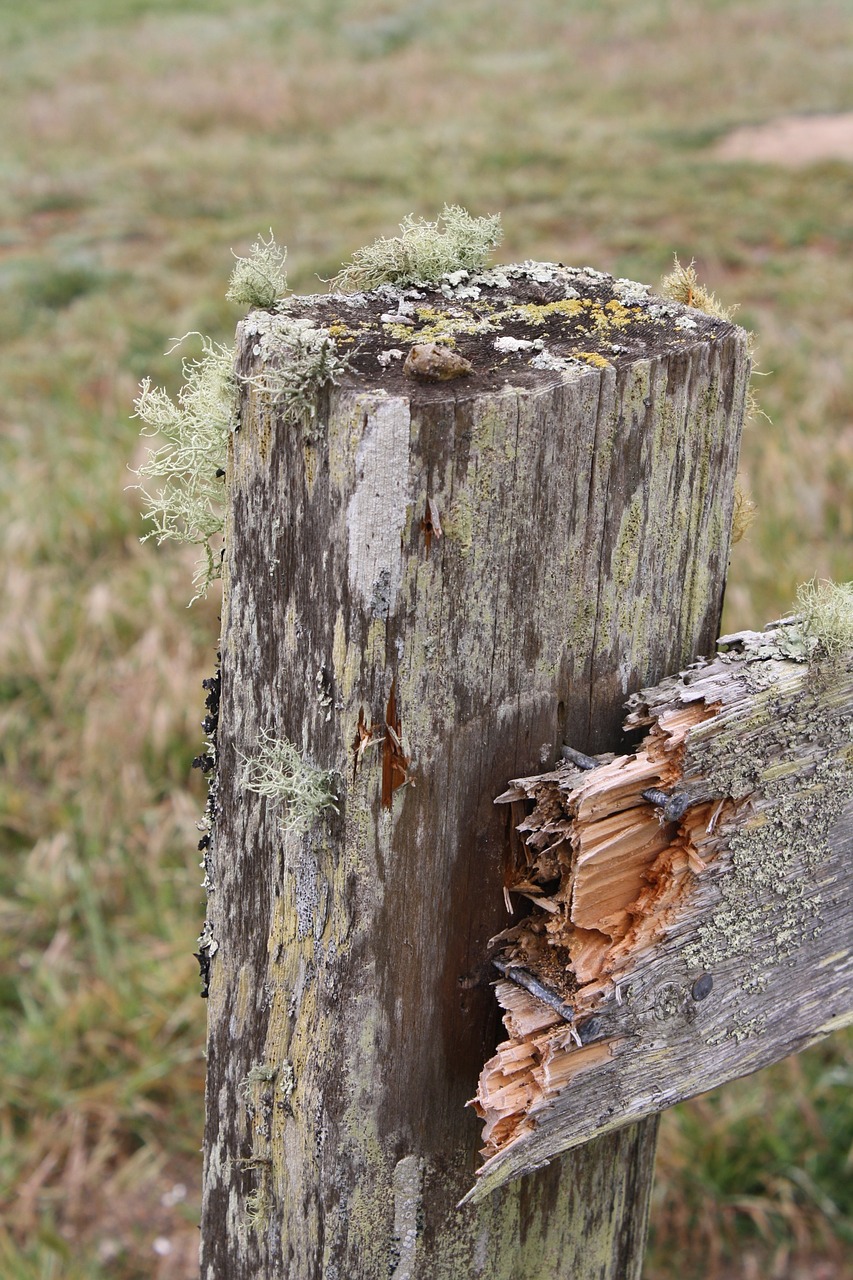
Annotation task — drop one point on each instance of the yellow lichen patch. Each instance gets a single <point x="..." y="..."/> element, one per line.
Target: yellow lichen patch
<point x="430" y="315"/>
<point x="537" y="313"/>
<point x="593" y="358"/>
<point x="439" y="333"/>
<point x="613" y="315"/>
<point x="434" y="324"/>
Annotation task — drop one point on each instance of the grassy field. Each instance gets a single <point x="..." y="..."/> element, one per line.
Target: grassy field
<point x="141" y="141"/>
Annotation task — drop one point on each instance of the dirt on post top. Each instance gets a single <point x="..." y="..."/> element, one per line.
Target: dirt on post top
<point x="510" y="322"/>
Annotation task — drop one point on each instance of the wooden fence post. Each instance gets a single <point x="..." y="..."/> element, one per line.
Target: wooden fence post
<point x="431" y="582"/>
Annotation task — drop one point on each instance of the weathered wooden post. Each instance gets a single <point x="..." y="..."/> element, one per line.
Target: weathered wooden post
<point x="435" y="574"/>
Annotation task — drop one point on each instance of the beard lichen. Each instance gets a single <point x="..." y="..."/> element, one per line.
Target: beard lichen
<point x="682" y="285"/>
<point x="259" y="1201"/>
<point x="743" y="511"/>
<point x="827" y="612"/>
<point x="193" y="432"/>
<point x="259" y="280"/>
<point x="300" y="359"/>
<point x="284" y="776"/>
<point x="423" y="252"/>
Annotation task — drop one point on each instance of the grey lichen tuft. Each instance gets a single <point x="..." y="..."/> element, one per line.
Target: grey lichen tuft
<point x="278" y="771"/>
<point x="423" y="252"/>
<point x="190" y="457"/>
<point x="299" y="360"/>
<point x="260" y="1073"/>
<point x="259" y="1203"/>
<point x="259" y="280"/>
<point x="827" y="611"/>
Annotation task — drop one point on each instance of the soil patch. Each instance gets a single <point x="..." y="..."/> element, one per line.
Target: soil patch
<point x="792" y="141"/>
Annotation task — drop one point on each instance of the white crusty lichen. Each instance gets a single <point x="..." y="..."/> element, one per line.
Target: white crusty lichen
<point x="280" y="772"/>
<point x="190" y="455"/>
<point x="259" y="280"/>
<point x="827" y="612"/>
<point x="423" y="252"/>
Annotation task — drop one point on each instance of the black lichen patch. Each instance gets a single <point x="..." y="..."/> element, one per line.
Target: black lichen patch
<point x="512" y="323"/>
<point x="206" y="761"/>
<point x="203" y="958"/>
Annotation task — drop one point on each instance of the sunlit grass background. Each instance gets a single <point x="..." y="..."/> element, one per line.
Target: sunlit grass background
<point x="140" y="140"/>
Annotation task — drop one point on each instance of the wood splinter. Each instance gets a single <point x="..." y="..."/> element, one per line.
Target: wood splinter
<point x="692" y="917"/>
<point x="431" y="524"/>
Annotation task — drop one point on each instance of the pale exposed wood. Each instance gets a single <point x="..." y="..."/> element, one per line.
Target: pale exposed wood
<point x="683" y="953"/>
<point x="428" y="587"/>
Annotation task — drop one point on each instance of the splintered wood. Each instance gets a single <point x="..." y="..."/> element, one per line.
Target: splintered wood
<point x="605" y="868"/>
<point x="656" y="874"/>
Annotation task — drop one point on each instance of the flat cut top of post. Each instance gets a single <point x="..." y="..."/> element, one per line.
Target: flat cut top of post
<point x="510" y="322"/>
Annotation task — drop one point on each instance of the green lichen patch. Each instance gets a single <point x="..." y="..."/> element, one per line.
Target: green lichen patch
<point x="776" y="759"/>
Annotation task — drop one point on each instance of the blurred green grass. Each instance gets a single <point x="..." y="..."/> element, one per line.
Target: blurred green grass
<point x="141" y="141"/>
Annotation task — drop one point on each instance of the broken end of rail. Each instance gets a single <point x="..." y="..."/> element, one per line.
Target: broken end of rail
<point x="675" y="894"/>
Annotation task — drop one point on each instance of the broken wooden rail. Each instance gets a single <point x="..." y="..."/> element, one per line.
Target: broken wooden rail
<point x="692" y="901"/>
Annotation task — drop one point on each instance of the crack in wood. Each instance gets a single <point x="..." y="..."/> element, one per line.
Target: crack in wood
<point x="431" y="524"/>
<point x="395" y="762"/>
